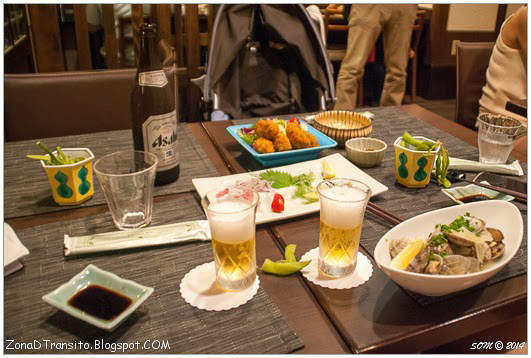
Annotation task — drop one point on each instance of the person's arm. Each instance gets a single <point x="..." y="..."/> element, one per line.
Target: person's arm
<point x="514" y="33"/>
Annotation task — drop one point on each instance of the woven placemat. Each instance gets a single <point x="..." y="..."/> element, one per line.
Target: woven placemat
<point x="165" y="318"/>
<point x="26" y="187"/>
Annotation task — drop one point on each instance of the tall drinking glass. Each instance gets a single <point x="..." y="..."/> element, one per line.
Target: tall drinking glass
<point x="231" y="216"/>
<point x="127" y="179"/>
<point x="496" y="137"/>
<point x="343" y="203"/>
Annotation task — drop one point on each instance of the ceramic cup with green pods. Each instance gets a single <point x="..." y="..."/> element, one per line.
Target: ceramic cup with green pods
<point x="413" y="167"/>
<point x="71" y="184"/>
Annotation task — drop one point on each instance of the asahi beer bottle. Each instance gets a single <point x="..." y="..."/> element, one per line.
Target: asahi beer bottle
<point x="153" y="109"/>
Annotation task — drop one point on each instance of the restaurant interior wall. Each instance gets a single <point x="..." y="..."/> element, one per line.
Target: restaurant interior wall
<point x="437" y="71"/>
<point x="61" y="41"/>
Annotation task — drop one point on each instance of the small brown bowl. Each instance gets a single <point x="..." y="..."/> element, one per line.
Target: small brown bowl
<point x="343" y="125"/>
<point x="365" y="152"/>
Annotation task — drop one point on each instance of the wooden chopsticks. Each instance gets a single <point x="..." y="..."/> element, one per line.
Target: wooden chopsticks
<point x="384" y="214"/>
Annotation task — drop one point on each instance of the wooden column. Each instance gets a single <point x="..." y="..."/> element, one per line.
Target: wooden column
<point x="44" y="27"/>
<point x="82" y="37"/>
<point x="111" y="51"/>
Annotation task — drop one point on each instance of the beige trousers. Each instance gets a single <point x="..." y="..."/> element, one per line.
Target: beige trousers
<point x="366" y="22"/>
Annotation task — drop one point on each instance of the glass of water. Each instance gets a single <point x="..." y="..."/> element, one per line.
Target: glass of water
<point x="127" y="179"/>
<point x="496" y="137"/>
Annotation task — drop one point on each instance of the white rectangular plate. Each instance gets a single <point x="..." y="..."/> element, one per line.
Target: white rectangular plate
<point x="293" y="207"/>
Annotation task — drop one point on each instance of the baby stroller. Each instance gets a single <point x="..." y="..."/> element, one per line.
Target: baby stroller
<point x="266" y="60"/>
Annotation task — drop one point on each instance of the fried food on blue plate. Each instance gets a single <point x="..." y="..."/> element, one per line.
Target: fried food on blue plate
<point x="267" y="129"/>
<point x="262" y="145"/>
<point x="281" y="143"/>
<point x="314" y="142"/>
<point x="297" y="136"/>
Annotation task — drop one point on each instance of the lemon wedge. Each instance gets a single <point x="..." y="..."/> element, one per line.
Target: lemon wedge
<point x="408" y="253"/>
<point x="328" y="171"/>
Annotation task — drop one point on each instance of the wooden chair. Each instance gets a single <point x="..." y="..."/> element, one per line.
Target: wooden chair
<point x="472" y="61"/>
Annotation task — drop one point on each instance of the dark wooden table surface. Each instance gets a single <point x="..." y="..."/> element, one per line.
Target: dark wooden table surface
<point x="377" y="317"/>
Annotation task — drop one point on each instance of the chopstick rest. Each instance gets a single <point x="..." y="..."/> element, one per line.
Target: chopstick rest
<point x="361" y="274"/>
<point x="199" y="289"/>
<point x="148" y="236"/>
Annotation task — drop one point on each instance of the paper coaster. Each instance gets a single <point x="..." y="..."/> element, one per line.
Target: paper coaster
<point x="199" y="288"/>
<point x="361" y="275"/>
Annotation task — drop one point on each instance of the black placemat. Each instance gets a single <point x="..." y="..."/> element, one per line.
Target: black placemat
<point x="26" y="187"/>
<point x="255" y="327"/>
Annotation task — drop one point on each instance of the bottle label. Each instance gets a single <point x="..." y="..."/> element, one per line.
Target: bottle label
<point x="160" y="138"/>
<point x="152" y="78"/>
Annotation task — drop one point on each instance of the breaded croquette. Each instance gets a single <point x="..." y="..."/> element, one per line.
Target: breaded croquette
<point x="262" y="145"/>
<point x="314" y="142"/>
<point x="281" y="142"/>
<point x="297" y="136"/>
<point x="267" y="129"/>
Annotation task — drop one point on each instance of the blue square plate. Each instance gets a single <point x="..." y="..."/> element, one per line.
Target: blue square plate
<point x="93" y="275"/>
<point x="288" y="156"/>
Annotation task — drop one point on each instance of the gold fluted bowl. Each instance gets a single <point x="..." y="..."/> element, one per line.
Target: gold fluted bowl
<point x="343" y="125"/>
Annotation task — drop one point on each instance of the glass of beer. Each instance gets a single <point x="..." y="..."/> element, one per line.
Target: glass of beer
<point x="231" y="216"/>
<point x="343" y="203"/>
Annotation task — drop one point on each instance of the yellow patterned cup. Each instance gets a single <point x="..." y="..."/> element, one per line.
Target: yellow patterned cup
<point x="71" y="184"/>
<point x="413" y="167"/>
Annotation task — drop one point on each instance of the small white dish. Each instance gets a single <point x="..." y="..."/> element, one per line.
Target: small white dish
<point x="461" y="192"/>
<point x="93" y="275"/>
<point x="498" y="214"/>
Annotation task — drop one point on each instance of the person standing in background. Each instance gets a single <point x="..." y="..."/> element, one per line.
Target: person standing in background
<point x="366" y="22"/>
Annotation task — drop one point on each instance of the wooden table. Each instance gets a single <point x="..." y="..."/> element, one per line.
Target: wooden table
<point x="378" y="317"/>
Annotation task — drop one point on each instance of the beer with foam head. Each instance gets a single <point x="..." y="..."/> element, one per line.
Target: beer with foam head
<point x="232" y="224"/>
<point x="343" y="203"/>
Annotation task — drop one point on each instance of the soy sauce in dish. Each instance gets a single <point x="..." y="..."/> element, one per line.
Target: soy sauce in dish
<point x="473" y="197"/>
<point x="100" y="302"/>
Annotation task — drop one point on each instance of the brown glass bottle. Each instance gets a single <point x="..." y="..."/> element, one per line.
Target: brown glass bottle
<point x="153" y="109"/>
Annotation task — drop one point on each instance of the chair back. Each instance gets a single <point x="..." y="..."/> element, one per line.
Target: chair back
<point x="472" y="61"/>
<point x="67" y="103"/>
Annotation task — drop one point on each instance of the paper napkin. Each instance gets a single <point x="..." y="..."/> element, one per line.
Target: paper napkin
<point x="14" y="251"/>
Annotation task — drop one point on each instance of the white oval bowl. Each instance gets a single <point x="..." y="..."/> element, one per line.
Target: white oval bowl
<point x="498" y="214"/>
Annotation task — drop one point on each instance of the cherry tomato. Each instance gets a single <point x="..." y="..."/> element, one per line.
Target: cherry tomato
<point x="294" y="120"/>
<point x="278" y="203"/>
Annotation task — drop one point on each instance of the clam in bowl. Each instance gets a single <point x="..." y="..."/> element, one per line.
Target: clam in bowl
<point x="498" y="214"/>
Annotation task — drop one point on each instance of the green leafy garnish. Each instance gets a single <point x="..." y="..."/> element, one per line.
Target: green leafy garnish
<point x="248" y="138"/>
<point x="302" y="182"/>
<point x="438" y="240"/>
<point x="457" y="224"/>
<point x="278" y="179"/>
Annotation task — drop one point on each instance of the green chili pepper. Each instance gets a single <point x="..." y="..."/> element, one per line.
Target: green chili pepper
<point x="289" y="253"/>
<point x="283" y="267"/>
<point x="444" y="171"/>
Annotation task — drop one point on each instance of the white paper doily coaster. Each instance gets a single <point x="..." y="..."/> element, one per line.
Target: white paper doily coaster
<point x="361" y="275"/>
<point x="199" y="288"/>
